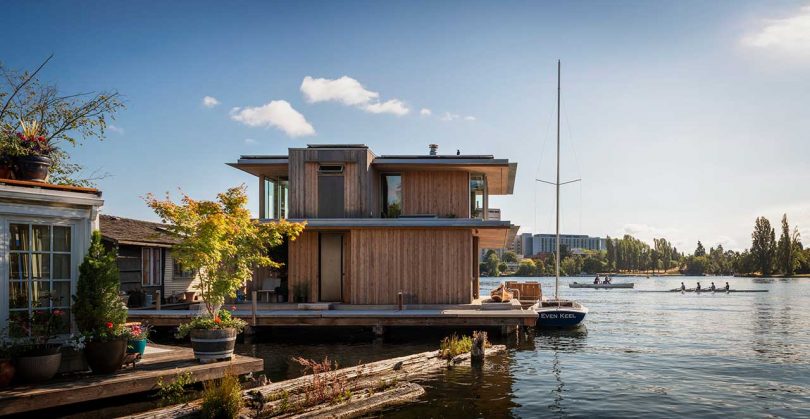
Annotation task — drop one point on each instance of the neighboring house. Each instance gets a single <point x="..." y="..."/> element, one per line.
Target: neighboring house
<point x="45" y="232"/>
<point x="381" y="225"/>
<point x="145" y="260"/>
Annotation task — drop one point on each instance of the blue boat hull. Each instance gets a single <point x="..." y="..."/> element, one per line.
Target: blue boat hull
<point x="560" y="318"/>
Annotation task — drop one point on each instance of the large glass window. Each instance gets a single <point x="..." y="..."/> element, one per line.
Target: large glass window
<point x="151" y="267"/>
<point x="391" y="195"/>
<point x="40" y="274"/>
<point x="478" y="197"/>
<point x="276" y="198"/>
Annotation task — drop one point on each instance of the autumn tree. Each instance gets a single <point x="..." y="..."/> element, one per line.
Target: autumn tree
<point x="219" y="240"/>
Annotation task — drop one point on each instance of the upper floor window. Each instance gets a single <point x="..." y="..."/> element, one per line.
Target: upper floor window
<point x="392" y="195"/>
<point x="179" y="271"/>
<point x="276" y="198"/>
<point x="478" y="197"/>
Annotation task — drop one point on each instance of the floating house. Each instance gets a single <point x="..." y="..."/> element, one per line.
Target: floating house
<point x="145" y="261"/>
<point x="45" y="232"/>
<point x="382" y="230"/>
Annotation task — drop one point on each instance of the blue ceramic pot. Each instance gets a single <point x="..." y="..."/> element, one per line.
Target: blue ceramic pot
<point x="136" y="346"/>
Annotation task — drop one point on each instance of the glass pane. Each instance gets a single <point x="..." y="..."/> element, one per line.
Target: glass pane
<point x="40" y="294"/>
<point x="61" y="266"/>
<point x="18" y="323"/>
<point x="19" y="237"/>
<point x="269" y="199"/>
<point x="61" y="321"/>
<point x="41" y="238"/>
<point x="61" y="293"/>
<point x="19" y="266"/>
<point x="18" y="294"/>
<point x="61" y="239"/>
<point x="392" y="185"/>
<point x="41" y="266"/>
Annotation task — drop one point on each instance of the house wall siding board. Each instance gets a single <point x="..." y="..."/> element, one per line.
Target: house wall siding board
<point x="429" y="266"/>
<point x="303" y="265"/>
<point x="439" y="193"/>
<point x="303" y="172"/>
<point x="176" y="284"/>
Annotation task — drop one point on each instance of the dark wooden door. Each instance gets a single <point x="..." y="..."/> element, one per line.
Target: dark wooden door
<point x="331" y="267"/>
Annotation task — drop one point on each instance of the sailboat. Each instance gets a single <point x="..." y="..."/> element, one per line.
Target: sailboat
<point x="557" y="312"/>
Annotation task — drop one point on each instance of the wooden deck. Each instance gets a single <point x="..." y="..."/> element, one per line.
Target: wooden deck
<point x="159" y="362"/>
<point x="357" y="316"/>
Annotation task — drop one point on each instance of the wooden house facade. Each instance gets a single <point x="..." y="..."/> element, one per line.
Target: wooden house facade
<point x="381" y="226"/>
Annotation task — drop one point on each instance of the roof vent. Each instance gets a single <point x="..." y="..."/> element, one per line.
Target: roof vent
<point x="433" y="149"/>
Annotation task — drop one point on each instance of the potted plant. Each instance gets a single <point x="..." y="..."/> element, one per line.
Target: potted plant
<point x="99" y="312"/>
<point x="138" y="337"/>
<point x="33" y="162"/>
<point x="37" y="358"/>
<point x="9" y="150"/>
<point x="220" y="241"/>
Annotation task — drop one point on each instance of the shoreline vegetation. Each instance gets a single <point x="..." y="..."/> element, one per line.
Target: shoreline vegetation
<point x="629" y="256"/>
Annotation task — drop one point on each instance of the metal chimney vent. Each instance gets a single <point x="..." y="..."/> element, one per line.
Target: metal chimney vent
<point x="433" y="149"/>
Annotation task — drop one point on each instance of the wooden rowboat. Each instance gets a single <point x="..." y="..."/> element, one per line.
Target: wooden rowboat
<point x="601" y="286"/>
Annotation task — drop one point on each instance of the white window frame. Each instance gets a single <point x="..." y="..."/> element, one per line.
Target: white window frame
<point x="154" y="270"/>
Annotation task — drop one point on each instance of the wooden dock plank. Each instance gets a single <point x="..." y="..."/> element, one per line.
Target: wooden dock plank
<point x="166" y="365"/>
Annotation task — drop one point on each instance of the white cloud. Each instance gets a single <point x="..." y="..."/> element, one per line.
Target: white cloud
<point x="345" y="90"/>
<point x="392" y="106"/>
<point x="279" y="114"/>
<point x="789" y="35"/>
<point x="469" y="118"/>
<point x="116" y="129"/>
<point x="425" y="112"/>
<point x="449" y="116"/>
<point x="210" y="102"/>
<point x="350" y="92"/>
<point x="250" y="141"/>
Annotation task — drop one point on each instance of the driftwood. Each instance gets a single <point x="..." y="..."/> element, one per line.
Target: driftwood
<point x="373" y="386"/>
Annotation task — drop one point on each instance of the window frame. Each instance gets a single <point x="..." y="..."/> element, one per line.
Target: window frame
<point x="155" y="270"/>
<point x="72" y="269"/>
<point x="384" y="194"/>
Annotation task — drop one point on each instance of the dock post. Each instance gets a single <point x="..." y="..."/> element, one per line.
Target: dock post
<point x="157" y="300"/>
<point x="400" y="302"/>
<point x="253" y="305"/>
<point x="379" y="330"/>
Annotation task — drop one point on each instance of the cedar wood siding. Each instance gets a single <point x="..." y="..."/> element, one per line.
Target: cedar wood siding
<point x="357" y="183"/>
<point x="430" y="266"/>
<point x="439" y="193"/>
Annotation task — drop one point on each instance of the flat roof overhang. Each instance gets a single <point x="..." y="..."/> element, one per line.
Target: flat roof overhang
<point x="271" y="166"/>
<point x="492" y="234"/>
<point x="500" y="173"/>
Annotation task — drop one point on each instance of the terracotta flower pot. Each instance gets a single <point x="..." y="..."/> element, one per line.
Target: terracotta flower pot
<point x="38" y="366"/>
<point x="33" y="168"/>
<point x="210" y="345"/>
<point x="6" y="372"/>
<point x="105" y="357"/>
<point x="6" y="170"/>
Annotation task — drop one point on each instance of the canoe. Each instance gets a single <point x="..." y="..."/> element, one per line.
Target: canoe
<point x="601" y="286"/>
<point x="719" y="290"/>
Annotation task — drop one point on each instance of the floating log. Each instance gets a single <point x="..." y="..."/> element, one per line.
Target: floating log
<point x="373" y="386"/>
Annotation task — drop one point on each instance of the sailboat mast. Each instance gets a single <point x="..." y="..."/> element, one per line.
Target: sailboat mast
<point x="557" y="253"/>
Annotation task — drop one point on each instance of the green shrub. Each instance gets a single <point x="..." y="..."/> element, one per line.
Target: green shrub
<point x="222" y="398"/>
<point x="174" y="392"/>
<point x="452" y="346"/>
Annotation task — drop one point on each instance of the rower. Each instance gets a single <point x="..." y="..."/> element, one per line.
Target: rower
<point x="713" y="287"/>
<point x="596" y="280"/>
<point x="698" y="287"/>
<point x="727" y="287"/>
<point x="683" y="287"/>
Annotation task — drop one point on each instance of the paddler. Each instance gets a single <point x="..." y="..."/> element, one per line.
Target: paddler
<point x="683" y="287"/>
<point x="596" y="280"/>
<point x="713" y="287"/>
<point x="697" y="289"/>
<point x="727" y="287"/>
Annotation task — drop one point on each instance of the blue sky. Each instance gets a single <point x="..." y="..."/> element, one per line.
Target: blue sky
<point x="684" y="119"/>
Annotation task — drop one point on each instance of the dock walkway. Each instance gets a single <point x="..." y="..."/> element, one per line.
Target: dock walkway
<point x="451" y="316"/>
<point x="158" y="362"/>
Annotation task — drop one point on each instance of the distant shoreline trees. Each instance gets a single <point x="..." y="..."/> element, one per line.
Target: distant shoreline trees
<point x="766" y="256"/>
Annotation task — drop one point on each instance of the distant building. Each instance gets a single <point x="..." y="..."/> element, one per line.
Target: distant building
<point x="534" y="244"/>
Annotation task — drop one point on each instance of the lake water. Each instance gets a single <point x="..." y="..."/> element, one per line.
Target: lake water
<point x="638" y="354"/>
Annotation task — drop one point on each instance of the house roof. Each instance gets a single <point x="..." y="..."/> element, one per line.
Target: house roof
<point x="127" y="231"/>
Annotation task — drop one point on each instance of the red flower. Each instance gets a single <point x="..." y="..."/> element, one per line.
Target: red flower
<point x="40" y="138"/>
<point x="233" y="308"/>
<point x="109" y="325"/>
<point x="217" y="320"/>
